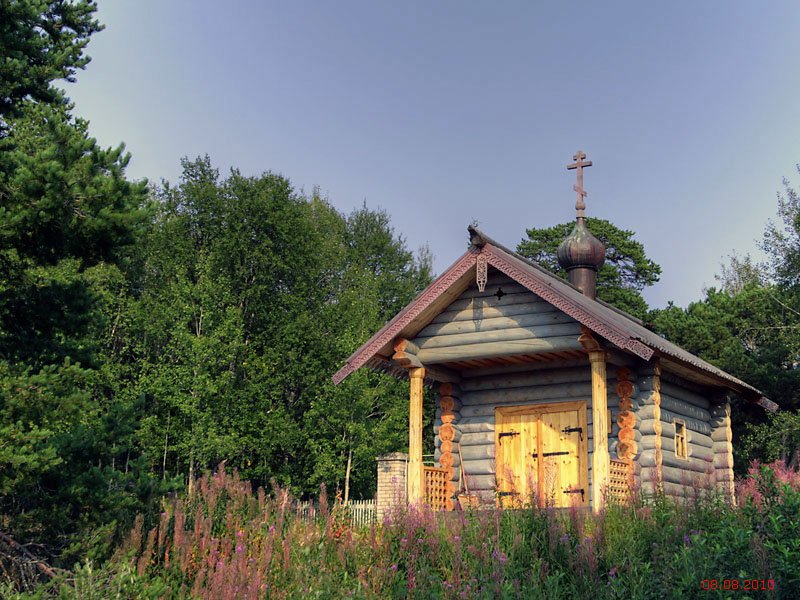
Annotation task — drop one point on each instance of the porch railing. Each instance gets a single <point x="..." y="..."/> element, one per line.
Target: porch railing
<point x="619" y="480"/>
<point x="436" y="487"/>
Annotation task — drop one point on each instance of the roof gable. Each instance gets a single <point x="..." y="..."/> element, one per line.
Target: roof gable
<point x="504" y="320"/>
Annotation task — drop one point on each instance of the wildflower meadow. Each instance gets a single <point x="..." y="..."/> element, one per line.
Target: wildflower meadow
<point x="226" y="541"/>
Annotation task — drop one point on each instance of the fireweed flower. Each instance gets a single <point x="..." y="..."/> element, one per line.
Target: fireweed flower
<point x="499" y="556"/>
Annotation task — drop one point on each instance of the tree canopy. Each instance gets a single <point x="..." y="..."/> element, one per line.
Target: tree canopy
<point x="41" y="42"/>
<point x="627" y="269"/>
<point x="68" y="223"/>
<point x="252" y="294"/>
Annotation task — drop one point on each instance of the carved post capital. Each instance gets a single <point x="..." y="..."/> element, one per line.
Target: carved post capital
<point x="589" y="342"/>
<point x="416" y="372"/>
<point x="598" y="356"/>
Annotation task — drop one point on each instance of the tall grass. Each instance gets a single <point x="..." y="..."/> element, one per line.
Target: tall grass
<point x="226" y="541"/>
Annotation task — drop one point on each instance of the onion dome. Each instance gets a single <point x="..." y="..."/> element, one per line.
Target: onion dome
<point x="580" y="249"/>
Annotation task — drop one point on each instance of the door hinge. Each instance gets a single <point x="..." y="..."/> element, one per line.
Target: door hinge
<point x="507" y="493"/>
<point x="562" y="453"/>
<point x="578" y="430"/>
<point x="580" y="491"/>
<point x="507" y="434"/>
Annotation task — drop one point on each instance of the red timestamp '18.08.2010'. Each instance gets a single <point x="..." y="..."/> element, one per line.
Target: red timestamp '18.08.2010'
<point x="738" y="584"/>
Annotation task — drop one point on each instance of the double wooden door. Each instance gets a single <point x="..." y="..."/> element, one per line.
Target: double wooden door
<point x="542" y="455"/>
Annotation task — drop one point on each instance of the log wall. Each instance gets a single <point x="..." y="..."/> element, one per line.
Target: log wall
<point x="482" y="395"/>
<point x="625" y="435"/>
<point x="722" y="447"/>
<point x="666" y="397"/>
<point x="482" y="325"/>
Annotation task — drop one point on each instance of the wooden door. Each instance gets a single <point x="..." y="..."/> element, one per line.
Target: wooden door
<point x="542" y="454"/>
<point x="516" y="470"/>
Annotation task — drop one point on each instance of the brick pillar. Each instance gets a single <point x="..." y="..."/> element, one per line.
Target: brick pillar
<point x="391" y="482"/>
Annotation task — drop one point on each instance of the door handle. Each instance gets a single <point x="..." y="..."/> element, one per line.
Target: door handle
<point x="578" y="430"/>
<point x="580" y="491"/>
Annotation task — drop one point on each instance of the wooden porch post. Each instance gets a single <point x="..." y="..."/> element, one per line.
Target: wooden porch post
<point x="600" y="457"/>
<point x="601" y="460"/>
<point x="416" y="491"/>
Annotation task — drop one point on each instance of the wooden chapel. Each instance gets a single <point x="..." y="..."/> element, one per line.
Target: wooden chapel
<point x="546" y="394"/>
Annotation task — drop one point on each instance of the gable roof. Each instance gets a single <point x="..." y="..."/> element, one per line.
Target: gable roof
<point x="616" y="326"/>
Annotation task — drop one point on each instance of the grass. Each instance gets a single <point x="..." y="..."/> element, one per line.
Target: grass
<point x="226" y="541"/>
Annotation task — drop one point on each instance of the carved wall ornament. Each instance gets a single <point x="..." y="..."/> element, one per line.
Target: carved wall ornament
<point x="626" y="447"/>
<point x="448" y="404"/>
<point x="481" y="272"/>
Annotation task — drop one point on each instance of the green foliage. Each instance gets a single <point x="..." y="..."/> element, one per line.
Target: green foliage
<point x="41" y="41"/>
<point x="627" y="269"/>
<point x="68" y="222"/>
<point x="140" y="346"/>
<point x="67" y="208"/>
<point x="252" y="296"/>
<point x="751" y="334"/>
<point x="782" y="240"/>
<point x="777" y="439"/>
<point x="226" y="541"/>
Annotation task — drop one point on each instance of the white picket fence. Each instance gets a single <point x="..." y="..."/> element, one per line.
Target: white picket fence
<point x="361" y="512"/>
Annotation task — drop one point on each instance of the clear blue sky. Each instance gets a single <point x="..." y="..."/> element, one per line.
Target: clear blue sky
<point x="447" y="112"/>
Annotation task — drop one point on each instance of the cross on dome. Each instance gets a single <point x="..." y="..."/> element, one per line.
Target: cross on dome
<point x="579" y="164"/>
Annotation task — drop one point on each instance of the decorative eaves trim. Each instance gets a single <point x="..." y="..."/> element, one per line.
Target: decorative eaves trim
<point x="385" y="335"/>
<point x="501" y="261"/>
<point x="767" y="404"/>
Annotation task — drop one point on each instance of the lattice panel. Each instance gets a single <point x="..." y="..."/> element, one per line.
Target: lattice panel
<point x="619" y="481"/>
<point x="436" y="487"/>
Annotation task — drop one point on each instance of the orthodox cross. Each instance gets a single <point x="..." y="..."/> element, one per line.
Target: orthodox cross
<point x="579" y="164"/>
